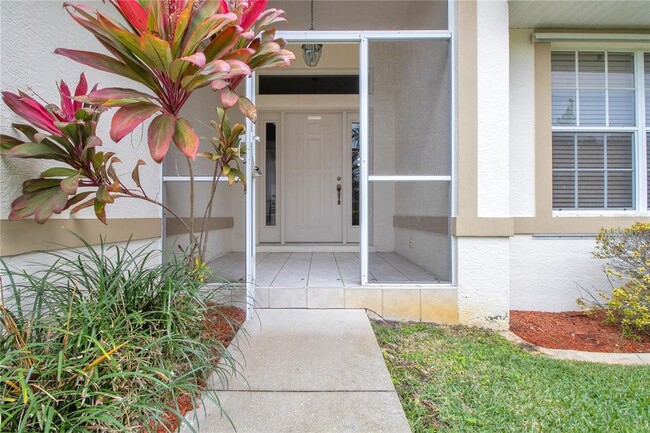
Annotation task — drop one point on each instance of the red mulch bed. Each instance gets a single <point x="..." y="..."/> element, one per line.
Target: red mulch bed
<point x="574" y="330"/>
<point x="215" y="326"/>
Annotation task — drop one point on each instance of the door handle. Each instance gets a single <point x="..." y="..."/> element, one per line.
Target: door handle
<point x="338" y="190"/>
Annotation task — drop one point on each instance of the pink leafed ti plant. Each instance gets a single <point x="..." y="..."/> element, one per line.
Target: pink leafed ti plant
<point x="65" y="134"/>
<point x="172" y="48"/>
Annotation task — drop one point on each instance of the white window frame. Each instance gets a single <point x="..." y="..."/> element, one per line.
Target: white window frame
<point x="639" y="163"/>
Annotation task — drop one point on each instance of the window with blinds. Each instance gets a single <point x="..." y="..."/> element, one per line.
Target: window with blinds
<point x="597" y="130"/>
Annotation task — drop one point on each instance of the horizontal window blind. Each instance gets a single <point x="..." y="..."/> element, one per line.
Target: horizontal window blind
<point x="593" y="88"/>
<point x="593" y="171"/>
<point x="597" y="131"/>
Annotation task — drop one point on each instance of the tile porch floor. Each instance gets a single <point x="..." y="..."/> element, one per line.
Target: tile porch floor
<point x="322" y="269"/>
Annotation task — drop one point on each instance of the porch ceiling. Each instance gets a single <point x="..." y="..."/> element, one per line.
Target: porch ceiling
<point x="580" y="14"/>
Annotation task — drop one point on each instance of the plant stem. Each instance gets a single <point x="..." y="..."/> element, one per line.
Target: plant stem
<point x="216" y="174"/>
<point x="191" y="169"/>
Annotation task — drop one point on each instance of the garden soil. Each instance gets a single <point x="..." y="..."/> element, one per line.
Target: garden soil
<point x="574" y="330"/>
<point x="216" y="326"/>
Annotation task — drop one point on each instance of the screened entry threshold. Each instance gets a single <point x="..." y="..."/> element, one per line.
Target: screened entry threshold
<point x="305" y="247"/>
<point x="322" y="269"/>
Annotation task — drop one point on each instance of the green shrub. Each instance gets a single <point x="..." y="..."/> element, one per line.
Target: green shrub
<point x="103" y="341"/>
<point x="627" y="252"/>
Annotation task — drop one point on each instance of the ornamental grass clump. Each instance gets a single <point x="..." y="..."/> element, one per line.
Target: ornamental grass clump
<point x="627" y="255"/>
<point x="103" y="340"/>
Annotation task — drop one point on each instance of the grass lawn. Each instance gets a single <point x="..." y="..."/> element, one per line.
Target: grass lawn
<point x="457" y="379"/>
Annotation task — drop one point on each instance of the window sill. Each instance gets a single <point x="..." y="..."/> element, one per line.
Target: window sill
<point x="599" y="213"/>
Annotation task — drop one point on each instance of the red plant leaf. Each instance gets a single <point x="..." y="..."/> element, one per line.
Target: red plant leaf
<point x="41" y="204"/>
<point x="252" y="13"/>
<point x="27" y="130"/>
<point x="77" y="198"/>
<point x="238" y="67"/>
<point x="179" y="66"/>
<point x="111" y="96"/>
<point x="43" y="150"/>
<point x="31" y="111"/>
<point x="93" y="141"/>
<point x="134" y="13"/>
<point x="103" y="195"/>
<point x="222" y="43"/>
<point x="247" y="108"/>
<point x="228" y="98"/>
<point x="157" y="52"/>
<point x="215" y="67"/>
<point x="83" y="205"/>
<point x="205" y="29"/>
<point x="159" y="136"/>
<point x="219" y="84"/>
<point x="82" y="89"/>
<point x="185" y="138"/>
<point x="100" y="210"/>
<point x="103" y="63"/>
<point x="67" y="107"/>
<point x="7" y="142"/>
<point x="33" y="185"/>
<point x="127" y="118"/>
<point x="70" y="184"/>
<point x="135" y="175"/>
<point x="242" y="54"/>
<point x="197" y="58"/>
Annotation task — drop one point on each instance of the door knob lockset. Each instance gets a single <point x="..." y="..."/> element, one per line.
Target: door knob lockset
<point x="338" y="191"/>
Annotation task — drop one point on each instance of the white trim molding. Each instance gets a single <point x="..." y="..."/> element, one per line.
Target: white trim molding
<point x="591" y="37"/>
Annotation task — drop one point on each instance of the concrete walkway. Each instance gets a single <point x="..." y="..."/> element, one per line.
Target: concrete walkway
<point x="306" y="371"/>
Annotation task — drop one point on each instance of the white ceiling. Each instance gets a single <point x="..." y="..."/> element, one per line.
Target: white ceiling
<point x="583" y="14"/>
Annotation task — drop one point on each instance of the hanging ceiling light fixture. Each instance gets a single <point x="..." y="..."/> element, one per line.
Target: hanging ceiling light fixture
<point x="311" y="52"/>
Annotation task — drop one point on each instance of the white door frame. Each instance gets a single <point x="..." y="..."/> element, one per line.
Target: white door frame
<point x="251" y="225"/>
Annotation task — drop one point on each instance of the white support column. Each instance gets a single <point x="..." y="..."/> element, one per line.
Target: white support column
<point x="364" y="143"/>
<point x="484" y="282"/>
<point x="251" y="226"/>
<point x="493" y="102"/>
<point x="484" y="262"/>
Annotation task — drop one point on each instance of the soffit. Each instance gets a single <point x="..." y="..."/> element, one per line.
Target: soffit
<point x="364" y="14"/>
<point x="580" y="14"/>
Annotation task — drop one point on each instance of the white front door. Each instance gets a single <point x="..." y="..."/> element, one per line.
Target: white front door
<point x="313" y="179"/>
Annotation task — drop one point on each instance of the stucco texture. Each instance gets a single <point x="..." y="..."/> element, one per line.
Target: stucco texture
<point x="30" y="31"/>
<point x="484" y="282"/>
<point x="550" y="274"/>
